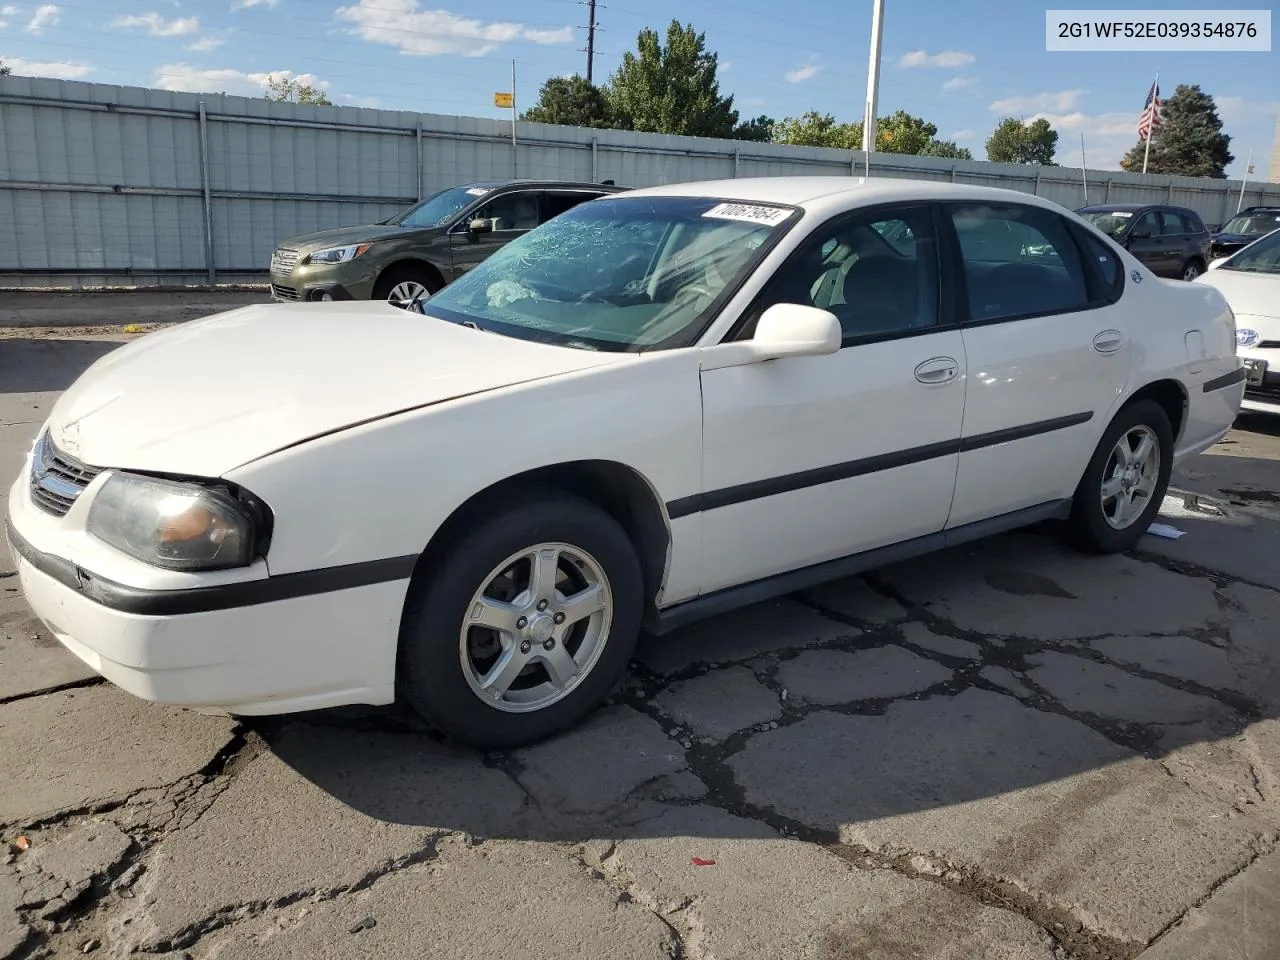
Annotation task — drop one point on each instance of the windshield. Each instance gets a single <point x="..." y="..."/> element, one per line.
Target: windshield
<point x="1110" y="222"/>
<point x="1261" y="256"/>
<point x="438" y="210"/>
<point x="622" y="273"/>
<point x="1254" y="224"/>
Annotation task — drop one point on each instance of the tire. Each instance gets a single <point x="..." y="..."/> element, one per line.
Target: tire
<point x="1090" y="527"/>
<point x="399" y="282"/>
<point x="1192" y="269"/>
<point x="442" y="664"/>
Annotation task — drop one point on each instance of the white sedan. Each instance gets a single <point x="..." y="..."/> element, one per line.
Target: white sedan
<point x="1250" y="280"/>
<point x="657" y="406"/>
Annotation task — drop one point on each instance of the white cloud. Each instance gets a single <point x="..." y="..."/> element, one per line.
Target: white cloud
<point x="801" y="74"/>
<point x="958" y="83"/>
<point x="427" y="33"/>
<point x="38" y="68"/>
<point x="246" y="4"/>
<point x="7" y="11"/>
<point x="949" y="59"/>
<point x="158" y="26"/>
<point x="46" y="15"/>
<point x="205" y="44"/>
<point x="181" y="76"/>
<point x="724" y="66"/>
<point x="355" y="101"/>
<point x="1242" y="109"/>
<point x="1041" y="102"/>
<point x="962" y="135"/>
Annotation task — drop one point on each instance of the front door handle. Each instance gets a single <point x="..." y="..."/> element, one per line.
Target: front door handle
<point x="937" y="370"/>
<point x="1108" y="341"/>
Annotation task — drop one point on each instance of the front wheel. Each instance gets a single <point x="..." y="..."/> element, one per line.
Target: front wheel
<point x="525" y="625"/>
<point x="402" y="285"/>
<point x="1125" y="482"/>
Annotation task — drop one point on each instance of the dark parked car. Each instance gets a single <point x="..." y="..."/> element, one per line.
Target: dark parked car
<point x="1244" y="228"/>
<point x="427" y="246"/>
<point x="1171" y="241"/>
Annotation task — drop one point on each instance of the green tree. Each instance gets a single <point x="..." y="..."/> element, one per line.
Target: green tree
<point x="760" y="129"/>
<point x="946" y="148"/>
<point x="1013" y="141"/>
<point x="289" y="90"/>
<point x="4" y="69"/>
<point x="813" y="129"/>
<point x="572" y="102"/>
<point x="671" y="89"/>
<point x="1189" y="141"/>
<point x="900" y="132"/>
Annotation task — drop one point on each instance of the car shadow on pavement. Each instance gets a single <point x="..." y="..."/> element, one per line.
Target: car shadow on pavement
<point x="1001" y="690"/>
<point x="46" y="365"/>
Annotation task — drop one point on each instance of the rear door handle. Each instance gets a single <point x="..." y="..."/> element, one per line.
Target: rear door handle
<point x="937" y="370"/>
<point x="1108" y="341"/>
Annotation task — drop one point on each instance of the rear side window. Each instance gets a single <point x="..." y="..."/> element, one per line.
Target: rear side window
<point x="1018" y="262"/>
<point x="1104" y="272"/>
<point x="1170" y="223"/>
<point x="554" y="204"/>
<point x="1192" y="222"/>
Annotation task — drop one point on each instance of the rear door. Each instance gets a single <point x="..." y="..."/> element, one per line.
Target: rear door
<point x="1178" y="247"/>
<point x="1048" y="353"/>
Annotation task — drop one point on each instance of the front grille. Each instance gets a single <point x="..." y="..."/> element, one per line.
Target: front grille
<point x="284" y="293"/>
<point x="57" y="478"/>
<point x="284" y="260"/>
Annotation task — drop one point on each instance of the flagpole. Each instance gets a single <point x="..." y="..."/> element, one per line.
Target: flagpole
<point x="1248" y="165"/>
<point x="1084" y="170"/>
<point x="1151" y="129"/>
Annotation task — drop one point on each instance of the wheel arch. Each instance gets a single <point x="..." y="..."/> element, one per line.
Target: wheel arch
<point x="1172" y="397"/>
<point x="412" y="263"/>
<point x="620" y="490"/>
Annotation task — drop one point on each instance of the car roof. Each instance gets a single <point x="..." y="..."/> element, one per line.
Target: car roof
<point x="547" y="184"/>
<point x="827" y="193"/>
<point x="1102" y="207"/>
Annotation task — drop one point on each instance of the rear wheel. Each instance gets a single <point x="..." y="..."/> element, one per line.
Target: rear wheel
<point x="399" y="285"/>
<point x="525" y="625"/>
<point x="1192" y="269"/>
<point x="1125" y="482"/>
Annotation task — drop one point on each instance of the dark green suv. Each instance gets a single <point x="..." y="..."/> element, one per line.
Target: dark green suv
<point x="425" y="247"/>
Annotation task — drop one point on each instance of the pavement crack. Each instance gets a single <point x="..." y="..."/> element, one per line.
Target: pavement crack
<point x="682" y="944"/>
<point x="94" y="681"/>
<point x="236" y="913"/>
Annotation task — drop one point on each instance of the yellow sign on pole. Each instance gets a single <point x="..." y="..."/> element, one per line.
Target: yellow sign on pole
<point x="503" y="99"/>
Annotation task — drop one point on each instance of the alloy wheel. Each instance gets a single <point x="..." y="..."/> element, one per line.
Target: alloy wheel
<point x="1130" y="477"/>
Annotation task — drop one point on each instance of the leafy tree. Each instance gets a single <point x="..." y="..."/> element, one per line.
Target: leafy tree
<point x="946" y="148"/>
<point x="760" y="129"/>
<point x="813" y="129"/>
<point x="1013" y="141"/>
<point x="4" y="69"/>
<point x="902" y="133"/>
<point x="572" y="102"/>
<point x="671" y="89"/>
<point x="1189" y="141"/>
<point x="287" y="89"/>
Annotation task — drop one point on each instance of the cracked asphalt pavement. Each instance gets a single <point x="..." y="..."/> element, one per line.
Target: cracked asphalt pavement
<point x="1008" y="751"/>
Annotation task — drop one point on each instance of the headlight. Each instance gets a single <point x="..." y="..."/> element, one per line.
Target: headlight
<point x="182" y="526"/>
<point x="1246" y="337"/>
<point x="338" y="254"/>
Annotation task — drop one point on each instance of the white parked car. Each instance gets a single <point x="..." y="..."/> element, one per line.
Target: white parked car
<point x="1250" y="280"/>
<point x="655" y="407"/>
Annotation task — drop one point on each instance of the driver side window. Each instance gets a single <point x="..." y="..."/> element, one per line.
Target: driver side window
<point x="511" y="211"/>
<point x="1147" y="226"/>
<point x="877" y="272"/>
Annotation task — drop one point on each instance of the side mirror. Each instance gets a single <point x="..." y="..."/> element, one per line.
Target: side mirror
<point x="792" y="330"/>
<point x="1215" y="264"/>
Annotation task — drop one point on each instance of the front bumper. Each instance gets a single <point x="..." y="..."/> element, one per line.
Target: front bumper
<point x="279" y="656"/>
<point x="306" y="282"/>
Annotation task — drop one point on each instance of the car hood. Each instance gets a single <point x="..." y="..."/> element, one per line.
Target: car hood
<point x="1234" y="237"/>
<point x="205" y="397"/>
<point x="1251" y="294"/>
<point x="366" y="233"/>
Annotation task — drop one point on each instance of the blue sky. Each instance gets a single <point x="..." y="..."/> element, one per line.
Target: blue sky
<point x="960" y="63"/>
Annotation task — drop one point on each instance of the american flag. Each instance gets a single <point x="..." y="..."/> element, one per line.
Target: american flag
<point x="1150" y="118"/>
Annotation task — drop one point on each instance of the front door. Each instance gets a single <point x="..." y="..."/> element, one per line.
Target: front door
<point x="814" y="458"/>
<point x="1048" y="356"/>
<point x="1147" y="243"/>
<point x="507" y="216"/>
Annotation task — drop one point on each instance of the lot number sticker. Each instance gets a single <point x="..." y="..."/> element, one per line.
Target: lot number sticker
<point x="749" y="213"/>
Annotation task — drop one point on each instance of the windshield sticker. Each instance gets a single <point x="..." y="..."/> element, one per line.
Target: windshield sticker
<point x="1122" y="214"/>
<point x="749" y="213"/>
<point x="478" y="191"/>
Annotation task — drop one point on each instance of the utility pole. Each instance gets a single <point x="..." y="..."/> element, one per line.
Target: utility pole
<point x="873" y="82"/>
<point x="591" y="37"/>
